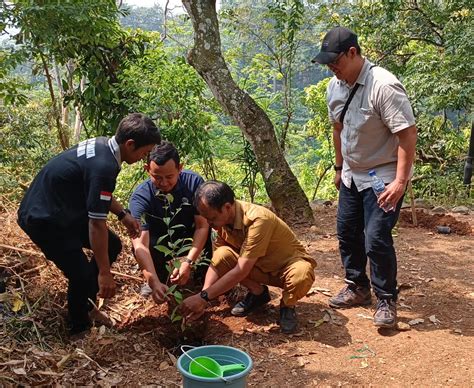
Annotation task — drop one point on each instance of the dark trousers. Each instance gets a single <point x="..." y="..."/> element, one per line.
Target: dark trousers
<point x="64" y="248"/>
<point x="364" y="231"/>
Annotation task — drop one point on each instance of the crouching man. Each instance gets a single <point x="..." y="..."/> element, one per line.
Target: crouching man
<point x="254" y="248"/>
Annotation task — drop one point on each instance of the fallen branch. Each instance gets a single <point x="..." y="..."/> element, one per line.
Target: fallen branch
<point x="30" y="252"/>
<point x="123" y="275"/>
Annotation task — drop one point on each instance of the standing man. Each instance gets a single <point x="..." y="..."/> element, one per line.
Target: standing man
<point x="373" y="128"/>
<point x="254" y="248"/>
<point x="65" y="209"/>
<point x="168" y="195"/>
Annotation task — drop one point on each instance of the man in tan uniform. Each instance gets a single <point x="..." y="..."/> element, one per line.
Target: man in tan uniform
<point x="254" y="248"/>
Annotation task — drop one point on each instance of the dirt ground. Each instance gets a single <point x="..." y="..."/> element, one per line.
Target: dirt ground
<point x="432" y="347"/>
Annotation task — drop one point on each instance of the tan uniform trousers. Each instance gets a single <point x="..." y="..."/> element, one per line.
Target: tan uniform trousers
<point x="295" y="279"/>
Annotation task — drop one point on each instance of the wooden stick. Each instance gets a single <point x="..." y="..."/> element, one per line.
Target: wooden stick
<point x="123" y="275"/>
<point x="412" y="202"/>
<point x="36" y="253"/>
<point x="32" y="269"/>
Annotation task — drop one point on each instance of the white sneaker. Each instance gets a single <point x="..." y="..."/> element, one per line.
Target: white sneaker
<point x="146" y="290"/>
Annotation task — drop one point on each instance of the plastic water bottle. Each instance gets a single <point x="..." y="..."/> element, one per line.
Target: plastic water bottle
<point x="379" y="187"/>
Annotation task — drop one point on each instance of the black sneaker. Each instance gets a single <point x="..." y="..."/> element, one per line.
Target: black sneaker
<point x="288" y="321"/>
<point x="251" y="302"/>
<point x="351" y="296"/>
<point x="385" y="313"/>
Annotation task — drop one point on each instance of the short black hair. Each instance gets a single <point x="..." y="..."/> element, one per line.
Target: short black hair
<point x="216" y="194"/>
<point x="163" y="152"/>
<point x="139" y="128"/>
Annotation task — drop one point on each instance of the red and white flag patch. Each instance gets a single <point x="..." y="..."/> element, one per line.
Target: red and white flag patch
<point x="105" y="196"/>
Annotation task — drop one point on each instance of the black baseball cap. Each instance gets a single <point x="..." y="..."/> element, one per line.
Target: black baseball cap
<point x="336" y="41"/>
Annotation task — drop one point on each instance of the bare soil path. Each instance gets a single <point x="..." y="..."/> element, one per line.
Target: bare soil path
<point x="434" y="346"/>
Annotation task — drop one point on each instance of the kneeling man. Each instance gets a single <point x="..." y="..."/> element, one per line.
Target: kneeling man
<point x="254" y="248"/>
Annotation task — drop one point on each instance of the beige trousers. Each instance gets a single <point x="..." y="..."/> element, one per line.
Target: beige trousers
<point x="295" y="279"/>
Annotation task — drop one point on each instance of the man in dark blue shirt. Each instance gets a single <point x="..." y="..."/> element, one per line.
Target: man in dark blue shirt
<point x="65" y="209"/>
<point x="164" y="204"/>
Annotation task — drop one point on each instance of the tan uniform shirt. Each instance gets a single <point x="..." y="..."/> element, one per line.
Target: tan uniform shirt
<point x="380" y="108"/>
<point x="258" y="234"/>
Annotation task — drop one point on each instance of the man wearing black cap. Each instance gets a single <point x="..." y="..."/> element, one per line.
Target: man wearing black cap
<point x="373" y="129"/>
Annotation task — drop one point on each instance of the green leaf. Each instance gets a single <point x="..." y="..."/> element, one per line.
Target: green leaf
<point x="178" y="297"/>
<point x="183" y="249"/>
<point x="165" y="250"/>
<point x="170" y="290"/>
<point x="161" y="239"/>
<point x="170" y="197"/>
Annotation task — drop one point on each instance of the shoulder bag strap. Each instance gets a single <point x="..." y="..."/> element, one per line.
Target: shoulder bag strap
<point x="354" y="90"/>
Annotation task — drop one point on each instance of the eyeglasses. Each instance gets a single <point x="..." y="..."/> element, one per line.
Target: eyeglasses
<point x="336" y="60"/>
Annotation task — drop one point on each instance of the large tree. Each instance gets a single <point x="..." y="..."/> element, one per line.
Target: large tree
<point x="287" y="197"/>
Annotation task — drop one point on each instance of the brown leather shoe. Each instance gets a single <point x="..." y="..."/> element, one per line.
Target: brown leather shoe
<point x="385" y="313"/>
<point x="351" y="296"/>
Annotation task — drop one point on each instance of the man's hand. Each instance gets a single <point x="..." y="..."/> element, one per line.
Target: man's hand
<point x="181" y="276"/>
<point x="337" y="180"/>
<point x="132" y="225"/>
<point x="392" y="194"/>
<point x="106" y="285"/>
<point x="193" y="307"/>
<point x="158" y="290"/>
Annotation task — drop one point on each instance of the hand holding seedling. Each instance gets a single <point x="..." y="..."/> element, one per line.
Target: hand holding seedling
<point x="158" y="290"/>
<point x="193" y="307"/>
<point x="181" y="275"/>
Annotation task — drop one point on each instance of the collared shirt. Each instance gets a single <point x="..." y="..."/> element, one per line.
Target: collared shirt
<point x="151" y="207"/>
<point x="379" y="109"/>
<point x="258" y="234"/>
<point x="74" y="186"/>
<point x="115" y="149"/>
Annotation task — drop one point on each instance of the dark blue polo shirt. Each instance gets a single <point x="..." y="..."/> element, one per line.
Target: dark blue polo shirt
<point x="151" y="207"/>
<point x="73" y="186"/>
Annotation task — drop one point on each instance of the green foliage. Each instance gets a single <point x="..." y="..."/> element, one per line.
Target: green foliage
<point x="268" y="45"/>
<point x="440" y="160"/>
<point x="12" y="88"/>
<point x="169" y="89"/>
<point x="429" y="46"/>
<point x="26" y="144"/>
<point x="320" y="130"/>
<point x="174" y="249"/>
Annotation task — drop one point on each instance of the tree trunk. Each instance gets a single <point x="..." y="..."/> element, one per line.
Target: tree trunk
<point x="63" y="138"/>
<point x="288" y="199"/>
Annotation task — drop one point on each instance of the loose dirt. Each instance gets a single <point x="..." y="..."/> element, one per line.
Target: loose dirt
<point x="332" y="347"/>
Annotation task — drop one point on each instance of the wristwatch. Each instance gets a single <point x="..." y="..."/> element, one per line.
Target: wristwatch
<point x="122" y="214"/>
<point x="337" y="168"/>
<point x="203" y="295"/>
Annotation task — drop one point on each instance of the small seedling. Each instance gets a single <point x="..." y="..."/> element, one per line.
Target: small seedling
<point x="174" y="248"/>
